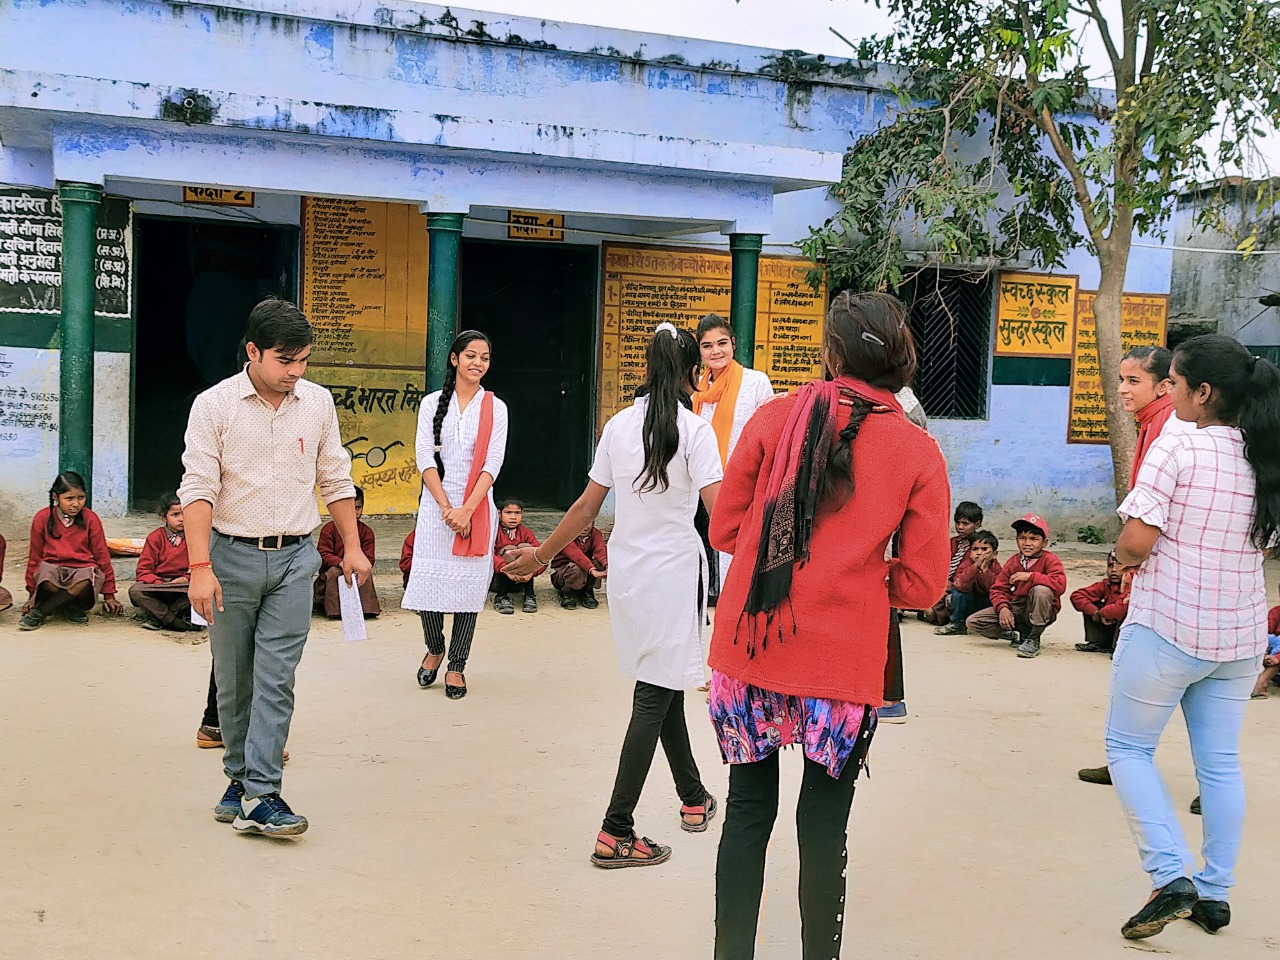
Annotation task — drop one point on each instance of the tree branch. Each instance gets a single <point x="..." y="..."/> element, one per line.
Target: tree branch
<point x="1153" y="42"/>
<point x="1078" y="179"/>
<point x="1104" y="30"/>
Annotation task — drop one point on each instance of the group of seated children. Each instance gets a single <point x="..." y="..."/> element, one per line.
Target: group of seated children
<point x="575" y="570"/>
<point x="1014" y="602"/>
<point x="1104" y="605"/>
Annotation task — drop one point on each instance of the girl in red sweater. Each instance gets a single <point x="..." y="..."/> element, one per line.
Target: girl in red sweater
<point x="163" y="573"/>
<point x="68" y="564"/>
<point x="818" y="484"/>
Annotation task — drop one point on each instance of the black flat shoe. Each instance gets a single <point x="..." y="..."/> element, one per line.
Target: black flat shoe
<point x="427" y="677"/>
<point x="452" y="692"/>
<point x="1211" y="915"/>
<point x="1174" y="901"/>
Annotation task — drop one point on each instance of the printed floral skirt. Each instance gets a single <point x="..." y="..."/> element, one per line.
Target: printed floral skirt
<point x="751" y="723"/>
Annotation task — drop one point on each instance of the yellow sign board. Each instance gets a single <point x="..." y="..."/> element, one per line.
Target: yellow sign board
<point x="1144" y="318"/>
<point x="218" y="196"/>
<point x="1035" y="315"/>
<point x="644" y="286"/>
<point x="527" y="225"/>
<point x="364" y="289"/>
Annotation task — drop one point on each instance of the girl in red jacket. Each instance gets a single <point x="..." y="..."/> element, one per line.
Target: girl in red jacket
<point x="818" y="484"/>
<point x="163" y="573"/>
<point x="68" y="564"/>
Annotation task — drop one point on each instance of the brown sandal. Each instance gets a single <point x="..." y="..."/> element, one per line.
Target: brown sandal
<point x="706" y="810"/>
<point x="630" y="851"/>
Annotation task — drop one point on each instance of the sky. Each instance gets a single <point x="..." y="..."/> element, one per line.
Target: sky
<point x="803" y="24"/>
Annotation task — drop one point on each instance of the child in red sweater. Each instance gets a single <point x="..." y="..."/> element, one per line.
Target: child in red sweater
<point x="511" y="534"/>
<point x="160" y="590"/>
<point x="330" y="546"/>
<point x="968" y="518"/>
<point x="1270" y="662"/>
<point x="972" y="581"/>
<point x="1104" y="605"/>
<point x="68" y="564"/>
<point x="577" y="570"/>
<point x="1027" y="592"/>
<point x="406" y="556"/>
<point x="6" y="598"/>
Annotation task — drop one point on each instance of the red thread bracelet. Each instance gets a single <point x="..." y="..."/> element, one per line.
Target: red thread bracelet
<point x="200" y="565"/>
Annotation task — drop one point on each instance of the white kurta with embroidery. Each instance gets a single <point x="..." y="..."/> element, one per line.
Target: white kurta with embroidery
<point x="656" y="560"/>
<point x="753" y="393"/>
<point x="440" y="581"/>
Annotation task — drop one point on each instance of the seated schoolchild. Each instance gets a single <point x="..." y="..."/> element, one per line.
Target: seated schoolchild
<point x="160" y="588"/>
<point x="967" y="518"/>
<point x="512" y="533"/>
<point x="1271" y="661"/>
<point x="330" y="545"/>
<point x="406" y="556"/>
<point x="1104" y="605"/>
<point x="971" y="583"/>
<point x="578" y="568"/>
<point x="68" y="564"/>
<point x="6" y="598"/>
<point x="1027" y="592"/>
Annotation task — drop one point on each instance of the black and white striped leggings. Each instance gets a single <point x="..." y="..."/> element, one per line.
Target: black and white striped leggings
<point x="464" y="628"/>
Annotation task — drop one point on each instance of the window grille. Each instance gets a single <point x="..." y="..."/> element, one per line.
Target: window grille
<point x="950" y="318"/>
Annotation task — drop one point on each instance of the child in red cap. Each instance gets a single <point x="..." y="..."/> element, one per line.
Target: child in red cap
<point x="1027" y="593"/>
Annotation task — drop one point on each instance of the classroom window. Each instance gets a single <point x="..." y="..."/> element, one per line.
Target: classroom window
<point x="950" y="318"/>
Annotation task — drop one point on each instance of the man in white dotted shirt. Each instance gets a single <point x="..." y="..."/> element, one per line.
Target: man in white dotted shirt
<point x="258" y="445"/>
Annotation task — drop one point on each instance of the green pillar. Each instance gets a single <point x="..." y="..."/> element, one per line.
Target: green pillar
<point x="444" y="231"/>
<point x="80" y="203"/>
<point x="744" y="248"/>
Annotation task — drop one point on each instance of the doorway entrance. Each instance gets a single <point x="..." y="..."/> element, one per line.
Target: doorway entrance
<point x="197" y="282"/>
<point x="537" y="302"/>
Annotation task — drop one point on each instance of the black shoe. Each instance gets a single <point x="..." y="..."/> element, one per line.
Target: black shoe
<point x="1095" y="775"/>
<point x="1092" y="648"/>
<point x="1211" y="915"/>
<point x="1013" y="636"/>
<point x="567" y="601"/>
<point x="1174" y="901"/>
<point x="455" y="693"/>
<point x="502" y="603"/>
<point x="1195" y="806"/>
<point x="427" y="677"/>
<point x="530" y="603"/>
<point x="588" y="600"/>
<point x="151" y="623"/>
<point x="1029" y="648"/>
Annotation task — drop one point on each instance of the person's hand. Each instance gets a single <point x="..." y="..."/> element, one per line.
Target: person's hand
<point x="1270" y="661"/>
<point x="522" y="563"/>
<point x="354" y="561"/>
<point x="1007" y="619"/>
<point x="1105" y="622"/>
<point x="205" y="593"/>
<point x="984" y="561"/>
<point x="1020" y="576"/>
<point x="599" y="574"/>
<point x="112" y="606"/>
<point x="179" y="580"/>
<point x="29" y="606"/>
<point x="1096" y="617"/>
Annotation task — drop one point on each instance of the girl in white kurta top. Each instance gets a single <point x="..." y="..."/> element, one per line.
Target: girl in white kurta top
<point x="657" y="584"/>
<point x="439" y="581"/>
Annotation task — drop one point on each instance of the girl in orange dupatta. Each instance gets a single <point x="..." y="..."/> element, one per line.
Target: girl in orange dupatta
<point x="462" y="438"/>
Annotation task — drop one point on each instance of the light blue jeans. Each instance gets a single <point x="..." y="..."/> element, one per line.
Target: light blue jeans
<point x="1149" y="678"/>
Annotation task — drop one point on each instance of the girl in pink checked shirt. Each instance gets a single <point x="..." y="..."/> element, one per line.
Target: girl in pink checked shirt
<point x="1205" y="507"/>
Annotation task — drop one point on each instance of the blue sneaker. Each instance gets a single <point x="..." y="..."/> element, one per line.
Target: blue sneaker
<point x="892" y="713"/>
<point x="269" y="815"/>
<point x="228" y="807"/>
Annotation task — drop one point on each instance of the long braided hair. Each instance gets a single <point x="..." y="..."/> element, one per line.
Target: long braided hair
<point x="671" y="371"/>
<point x="459" y="344"/>
<point x="866" y="337"/>
<point x="64" y="482"/>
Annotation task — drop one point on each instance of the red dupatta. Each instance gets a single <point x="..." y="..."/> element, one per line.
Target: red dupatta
<point x="478" y="543"/>
<point x="1151" y="420"/>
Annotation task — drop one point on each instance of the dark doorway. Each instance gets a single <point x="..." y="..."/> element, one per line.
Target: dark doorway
<point x="537" y="303"/>
<point x="197" y="282"/>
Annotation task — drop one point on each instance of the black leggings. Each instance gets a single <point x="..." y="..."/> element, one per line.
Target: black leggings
<point x="822" y="818"/>
<point x="656" y="714"/>
<point x="464" y="629"/>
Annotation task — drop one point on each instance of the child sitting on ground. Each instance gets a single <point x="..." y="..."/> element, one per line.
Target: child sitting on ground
<point x="576" y="569"/>
<point x="1270" y="662"/>
<point x="6" y="598"/>
<point x="330" y="545"/>
<point x="968" y="517"/>
<point x="1104" y="605"/>
<point x="68" y="564"/>
<point x="971" y="583"/>
<point x="512" y="533"/>
<point x="160" y="588"/>
<point x="1027" y="592"/>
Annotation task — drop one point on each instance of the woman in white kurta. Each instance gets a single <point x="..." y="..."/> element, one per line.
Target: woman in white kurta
<point x="659" y="459"/>
<point x="457" y="505"/>
<point x="729" y="388"/>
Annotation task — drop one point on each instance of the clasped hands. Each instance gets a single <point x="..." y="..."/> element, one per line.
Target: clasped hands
<point x="457" y="519"/>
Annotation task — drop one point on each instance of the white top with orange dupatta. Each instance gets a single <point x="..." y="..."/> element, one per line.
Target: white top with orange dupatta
<point x="753" y="393"/>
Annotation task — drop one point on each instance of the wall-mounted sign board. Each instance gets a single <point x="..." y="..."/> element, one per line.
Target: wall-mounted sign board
<point x="528" y="225"/>
<point x="217" y="196"/>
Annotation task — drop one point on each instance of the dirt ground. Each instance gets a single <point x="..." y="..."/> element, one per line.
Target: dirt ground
<point x="462" y="829"/>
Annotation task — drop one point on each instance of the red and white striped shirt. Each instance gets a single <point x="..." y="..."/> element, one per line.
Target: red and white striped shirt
<point x="1202" y="588"/>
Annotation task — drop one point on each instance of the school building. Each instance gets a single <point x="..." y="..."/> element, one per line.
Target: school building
<point x="406" y="170"/>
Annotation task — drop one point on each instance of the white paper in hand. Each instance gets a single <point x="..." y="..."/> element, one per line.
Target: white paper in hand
<point x="352" y="611"/>
<point x="198" y="620"/>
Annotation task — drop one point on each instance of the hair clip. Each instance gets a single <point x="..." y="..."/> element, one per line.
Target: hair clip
<point x="669" y="327"/>
<point x="866" y="335"/>
<point x="438" y="448"/>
